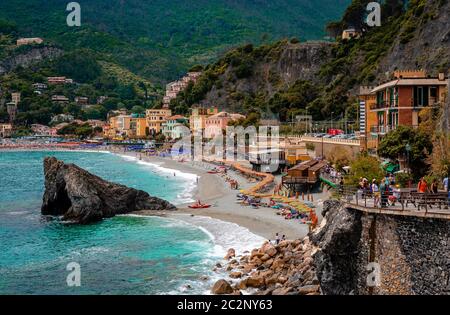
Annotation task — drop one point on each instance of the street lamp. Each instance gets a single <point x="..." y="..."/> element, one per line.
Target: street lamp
<point x="332" y="120"/>
<point x="408" y="150"/>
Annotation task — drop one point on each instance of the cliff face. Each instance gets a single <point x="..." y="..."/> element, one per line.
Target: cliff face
<point x="428" y="46"/>
<point x="413" y="253"/>
<point x="276" y="71"/>
<point x="83" y="198"/>
<point x="273" y="76"/>
<point x="26" y="59"/>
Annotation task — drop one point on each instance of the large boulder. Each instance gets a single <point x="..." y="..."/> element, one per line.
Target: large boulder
<point x="82" y="197"/>
<point x="222" y="287"/>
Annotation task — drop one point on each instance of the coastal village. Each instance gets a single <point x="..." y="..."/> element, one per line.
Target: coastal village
<point x="379" y="181"/>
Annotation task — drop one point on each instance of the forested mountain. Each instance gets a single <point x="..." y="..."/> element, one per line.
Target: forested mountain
<point x="288" y="78"/>
<point x="161" y="39"/>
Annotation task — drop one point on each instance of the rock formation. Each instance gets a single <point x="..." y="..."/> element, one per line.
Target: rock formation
<point x="412" y="253"/>
<point x="338" y="257"/>
<point x="284" y="269"/>
<point x="83" y="198"/>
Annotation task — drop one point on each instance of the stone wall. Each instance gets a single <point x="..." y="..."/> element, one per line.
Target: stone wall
<point x="413" y="253"/>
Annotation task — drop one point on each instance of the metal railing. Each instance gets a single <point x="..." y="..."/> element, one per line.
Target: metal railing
<point x="396" y="200"/>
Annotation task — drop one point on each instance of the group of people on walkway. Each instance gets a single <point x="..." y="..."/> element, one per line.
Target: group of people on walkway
<point x="387" y="193"/>
<point x="384" y="192"/>
<point x="423" y="187"/>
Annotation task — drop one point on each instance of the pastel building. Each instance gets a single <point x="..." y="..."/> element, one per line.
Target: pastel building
<point x="5" y="130"/>
<point x="29" y="41"/>
<point x="173" y="88"/>
<point x="197" y="120"/>
<point x="215" y="124"/>
<point x="138" y="126"/>
<point x="175" y="126"/>
<point x="156" y="118"/>
<point x="15" y="98"/>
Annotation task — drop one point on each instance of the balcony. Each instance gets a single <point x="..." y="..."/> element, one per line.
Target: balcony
<point x="381" y="130"/>
<point x="384" y="105"/>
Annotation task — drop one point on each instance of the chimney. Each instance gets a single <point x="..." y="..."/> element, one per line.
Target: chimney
<point x="441" y="76"/>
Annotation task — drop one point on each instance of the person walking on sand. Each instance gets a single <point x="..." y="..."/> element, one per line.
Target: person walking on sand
<point x="277" y="239"/>
<point x="422" y="187"/>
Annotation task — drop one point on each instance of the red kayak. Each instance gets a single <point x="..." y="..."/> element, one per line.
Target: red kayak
<point x="213" y="172"/>
<point x="200" y="206"/>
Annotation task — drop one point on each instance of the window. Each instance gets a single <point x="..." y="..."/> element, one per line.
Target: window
<point x="433" y="91"/>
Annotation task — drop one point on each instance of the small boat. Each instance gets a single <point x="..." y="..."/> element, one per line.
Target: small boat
<point x="213" y="172"/>
<point x="197" y="206"/>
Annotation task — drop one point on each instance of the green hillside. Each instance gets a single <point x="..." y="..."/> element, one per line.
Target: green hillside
<point x="161" y="39"/>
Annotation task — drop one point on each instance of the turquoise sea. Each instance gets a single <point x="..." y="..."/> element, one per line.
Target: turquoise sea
<point x="122" y="255"/>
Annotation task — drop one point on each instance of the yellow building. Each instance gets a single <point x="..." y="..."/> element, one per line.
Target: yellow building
<point x="138" y="127"/>
<point x="156" y="118"/>
<point x="199" y="115"/>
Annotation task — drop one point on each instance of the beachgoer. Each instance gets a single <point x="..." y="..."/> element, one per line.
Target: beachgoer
<point x="277" y="239"/>
<point x="422" y="187"/>
<point x="283" y="238"/>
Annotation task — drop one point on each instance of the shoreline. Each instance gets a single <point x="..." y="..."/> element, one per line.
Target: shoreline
<point x="214" y="190"/>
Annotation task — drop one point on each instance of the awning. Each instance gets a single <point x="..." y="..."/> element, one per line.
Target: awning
<point x="391" y="168"/>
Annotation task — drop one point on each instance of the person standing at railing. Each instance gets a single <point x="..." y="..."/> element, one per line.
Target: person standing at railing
<point x="384" y="192"/>
<point x="434" y="186"/>
<point x="376" y="193"/>
<point x="445" y="183"/>
<point x="422" y="187"/>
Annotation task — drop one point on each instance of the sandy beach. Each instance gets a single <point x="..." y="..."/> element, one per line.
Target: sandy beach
<point x="213" y="189"/>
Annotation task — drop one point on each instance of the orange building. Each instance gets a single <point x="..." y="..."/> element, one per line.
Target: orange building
<point x="138" y="126"/>
<point x="156" y="118"/>
<point x="399" y="101"/>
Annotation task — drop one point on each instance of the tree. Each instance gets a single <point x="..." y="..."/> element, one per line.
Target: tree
<point x="364" y="166"/>
<point x="7" y="27"/>
<point x="334" y="29"/>
<point x="144" y="88"/>
<point x="392" y="8"/>
<point x="138" y="109"/>
<point x="394" y="145"/>
<point x="80" y="65"/>
<point x="355" y="13"/>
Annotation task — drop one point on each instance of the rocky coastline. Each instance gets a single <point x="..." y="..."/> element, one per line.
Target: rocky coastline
<point x="283" y="269"/>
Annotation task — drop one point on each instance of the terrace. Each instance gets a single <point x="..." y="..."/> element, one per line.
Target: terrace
<point x="405" y="202"/>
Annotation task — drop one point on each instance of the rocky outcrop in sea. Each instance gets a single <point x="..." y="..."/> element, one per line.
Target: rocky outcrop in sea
<point x="83" y="198"/>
